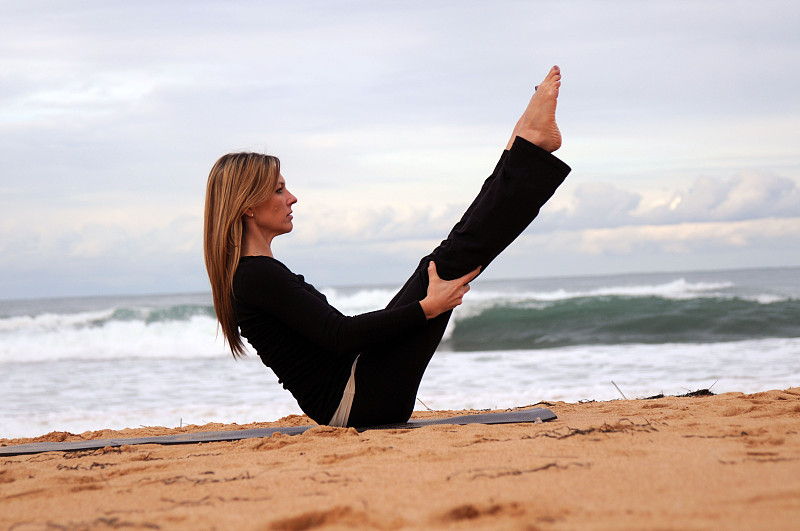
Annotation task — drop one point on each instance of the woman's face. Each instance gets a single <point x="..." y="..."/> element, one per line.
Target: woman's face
<point x="273" y="217"/>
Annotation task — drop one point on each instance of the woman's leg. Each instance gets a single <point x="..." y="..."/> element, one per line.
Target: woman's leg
<point x="525" y="178"/>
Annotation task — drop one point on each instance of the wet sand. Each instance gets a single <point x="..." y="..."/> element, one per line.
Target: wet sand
<point x="730" y="461"/>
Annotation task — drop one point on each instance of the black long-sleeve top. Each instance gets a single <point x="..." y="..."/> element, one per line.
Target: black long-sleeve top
<point x="308" y="343"/>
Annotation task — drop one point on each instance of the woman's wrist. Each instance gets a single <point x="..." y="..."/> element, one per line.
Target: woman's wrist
<point x="427" y="308"/>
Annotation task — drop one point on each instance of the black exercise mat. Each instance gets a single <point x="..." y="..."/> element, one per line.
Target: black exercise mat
<point x="508" y="417"/>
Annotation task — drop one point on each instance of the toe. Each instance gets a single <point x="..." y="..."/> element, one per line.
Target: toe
<point x="554" y="75"/>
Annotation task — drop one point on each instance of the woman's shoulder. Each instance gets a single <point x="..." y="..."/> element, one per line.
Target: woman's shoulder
<point x="264" y="270"/>
<point x="261" y="262"/>
<point x="259" y="276"/>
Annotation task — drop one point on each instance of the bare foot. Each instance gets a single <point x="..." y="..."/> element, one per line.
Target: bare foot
<point x="538" y="123"/>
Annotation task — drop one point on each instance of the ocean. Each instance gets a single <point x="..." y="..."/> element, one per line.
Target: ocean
<point x="89" y="363"/>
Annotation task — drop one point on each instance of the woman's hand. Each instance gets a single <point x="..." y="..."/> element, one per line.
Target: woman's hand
<point x="444" y="295"/>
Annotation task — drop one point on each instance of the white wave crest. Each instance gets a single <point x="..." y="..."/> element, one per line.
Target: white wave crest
<point x="195" y="337"/>
<point x="360" y="301"/>
<point x="676" y="289"/>
<point x="49" y="322"/>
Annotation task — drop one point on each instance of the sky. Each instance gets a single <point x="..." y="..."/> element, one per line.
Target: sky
<point x="681" y="121"/>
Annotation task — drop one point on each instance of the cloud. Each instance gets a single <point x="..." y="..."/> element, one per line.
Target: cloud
<point x="595" y="205"/>
<point x="746" y="196"/>
<point x="102" y="255"/>
<point x="687" y="238"/>
<point x="374" y="225"/>
<point x="97" y="234"/>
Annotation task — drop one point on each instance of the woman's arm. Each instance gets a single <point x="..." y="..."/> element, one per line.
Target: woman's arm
<point x="444" y="295"/>
<point x="266" y="285"/>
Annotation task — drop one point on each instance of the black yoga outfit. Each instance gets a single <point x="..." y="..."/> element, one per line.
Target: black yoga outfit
<point x="311" y="346"/>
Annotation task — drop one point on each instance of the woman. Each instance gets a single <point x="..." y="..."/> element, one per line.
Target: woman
<point x="362" y="370"/>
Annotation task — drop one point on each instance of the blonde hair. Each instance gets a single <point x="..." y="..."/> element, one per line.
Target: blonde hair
<point x="237" y="181"/>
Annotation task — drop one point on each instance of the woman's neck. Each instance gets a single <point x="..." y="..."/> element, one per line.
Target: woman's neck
<point x="255" y="244"/>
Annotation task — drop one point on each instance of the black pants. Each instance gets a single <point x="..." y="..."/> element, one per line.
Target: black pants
<point x="387" y="378"/>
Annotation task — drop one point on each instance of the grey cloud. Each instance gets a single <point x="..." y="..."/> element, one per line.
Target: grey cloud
<point x="375" y="225"/>
<point x="746" y="196"/>
<point x="596" y="205"/>
<point x="742" y="197"/>
<point x="100" y="258"/>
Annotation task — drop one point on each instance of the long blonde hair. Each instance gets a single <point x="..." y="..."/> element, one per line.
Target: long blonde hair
<point x="237" y="181"/>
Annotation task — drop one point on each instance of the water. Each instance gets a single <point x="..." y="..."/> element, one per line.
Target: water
<point x="113" y="362"/>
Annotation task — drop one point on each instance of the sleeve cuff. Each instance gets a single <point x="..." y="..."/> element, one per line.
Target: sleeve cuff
<point x="523" y="152"/>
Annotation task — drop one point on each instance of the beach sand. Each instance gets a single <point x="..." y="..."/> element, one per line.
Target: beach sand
<point x="730" y="461"/>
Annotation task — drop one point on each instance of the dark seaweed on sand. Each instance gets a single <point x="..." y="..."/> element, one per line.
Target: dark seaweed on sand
<point x="699" y="392"/>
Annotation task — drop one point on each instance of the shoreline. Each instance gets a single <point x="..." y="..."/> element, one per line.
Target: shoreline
<point x="723" y="461"/>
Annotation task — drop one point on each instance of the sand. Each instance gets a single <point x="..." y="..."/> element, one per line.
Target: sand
<point x="730" y="461"/>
